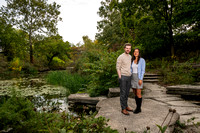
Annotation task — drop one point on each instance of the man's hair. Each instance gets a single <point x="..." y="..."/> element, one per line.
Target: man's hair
<point x="127" y="44"/>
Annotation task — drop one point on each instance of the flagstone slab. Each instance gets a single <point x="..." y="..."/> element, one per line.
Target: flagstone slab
<point x="153" y="113"/>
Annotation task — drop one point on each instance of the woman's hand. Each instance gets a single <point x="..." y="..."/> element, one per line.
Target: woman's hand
<point x="140" y="82"/>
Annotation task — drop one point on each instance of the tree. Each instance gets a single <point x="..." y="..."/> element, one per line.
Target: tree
<point x="33" y="17"/>
<point x="53" y="46"/>
<point x="110" y="33"/>
<point x="12" y="41"/>
<point x="157" y="21"/>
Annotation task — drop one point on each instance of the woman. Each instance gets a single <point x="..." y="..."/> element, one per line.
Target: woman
<point x="137" y="70"/>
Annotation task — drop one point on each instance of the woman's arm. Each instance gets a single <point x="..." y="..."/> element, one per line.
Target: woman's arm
<point x="141" y="71"/>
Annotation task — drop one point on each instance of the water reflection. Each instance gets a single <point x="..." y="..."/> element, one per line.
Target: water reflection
<point x="49" y="103"/>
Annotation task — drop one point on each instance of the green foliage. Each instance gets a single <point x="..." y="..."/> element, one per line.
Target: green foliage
<point x="72" y="82"/>
<point x="16" y="65"/>
<point x="13" y="41"/>
<point x="53" y="51"/>
<point x="103" y="73"/>
<point x="181" y="127"/>
<point x="178" y="74"/>
<point x="100" y="66"/>
<point x="174" y="72"/>
<point x="163" y="28"/>
<point x="35" y="16"/>
<point x="110" y="33"/>
<point x="57" y="63"/>
<point x="17" y="115"/>
<point x="28" y="68"/>
<point x="162" y="129"/>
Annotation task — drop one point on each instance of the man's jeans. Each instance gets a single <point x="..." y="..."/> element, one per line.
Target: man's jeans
<point x="125" y="85"/>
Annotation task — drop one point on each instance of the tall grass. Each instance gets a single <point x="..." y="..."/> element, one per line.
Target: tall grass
<point x="73" y="82"/>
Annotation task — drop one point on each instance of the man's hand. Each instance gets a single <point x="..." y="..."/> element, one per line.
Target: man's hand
<point x="140" y="82"/>
<point x="119" y="80"/>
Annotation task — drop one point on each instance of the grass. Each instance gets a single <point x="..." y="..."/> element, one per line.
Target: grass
<point x="72" y="82"/>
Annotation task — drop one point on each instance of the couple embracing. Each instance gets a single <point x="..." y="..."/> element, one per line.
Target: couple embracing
<point x="130" y="72"/>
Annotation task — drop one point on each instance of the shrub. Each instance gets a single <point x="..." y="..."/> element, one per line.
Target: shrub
<point x="100" y="66"/>
<point x="29" y="68"/>
<point x="57" y="63"/>
<point x="17" y="115"/>
<point x="15" y="65"/>
<point x="73" y="82"/>
<point x="178" y="73"/>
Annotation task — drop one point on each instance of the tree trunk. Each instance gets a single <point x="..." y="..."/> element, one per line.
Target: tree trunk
<point x="171" y="32"/>
<point x="51" y="58"/>
<point x="171" y="40"/>
<point x="168" y="18"/>
<point x="31" y="47"/>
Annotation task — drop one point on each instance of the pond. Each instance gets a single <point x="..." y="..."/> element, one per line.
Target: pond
<point x="44" y="96"/>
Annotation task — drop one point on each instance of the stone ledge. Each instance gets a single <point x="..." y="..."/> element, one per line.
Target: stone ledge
<point x="115" y="92"/>
<point x="84" y="98"/>
<point x="185" y="90"/>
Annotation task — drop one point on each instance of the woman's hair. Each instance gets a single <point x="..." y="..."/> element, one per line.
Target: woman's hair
<point x="133" y="57"/>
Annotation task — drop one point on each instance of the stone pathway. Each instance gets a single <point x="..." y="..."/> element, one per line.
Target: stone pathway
<point x="186" y="109"/>
<point x="156" y="103"/>
<point x="152" y="113"/>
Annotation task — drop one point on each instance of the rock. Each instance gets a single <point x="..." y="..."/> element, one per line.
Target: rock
<point x="83" y="99"/>
<point x="115" y="92"/>
<point x="185" y="90"/>
<point x="153" y="113"/>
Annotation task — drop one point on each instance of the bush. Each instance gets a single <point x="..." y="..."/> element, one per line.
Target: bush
<point x="57" y="63"/>
<point x="17" y="115"/>
<point x="100" y="65"/>
<point x="15" y="65"/>
<point x="73" y="82"/>
<point x="178" y="73"/>
<point x="29" y="68"/>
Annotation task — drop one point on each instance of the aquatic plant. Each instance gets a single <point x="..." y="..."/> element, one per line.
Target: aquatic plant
<point x="72" y="82"/>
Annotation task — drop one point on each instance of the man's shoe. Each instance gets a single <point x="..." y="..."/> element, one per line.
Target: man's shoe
<point x="129" y="109"/>
<point x="125" y="112"/>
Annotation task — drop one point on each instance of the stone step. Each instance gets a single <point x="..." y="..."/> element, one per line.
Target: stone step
<point x="151" y="80"/>
<point x="152" y="75"/>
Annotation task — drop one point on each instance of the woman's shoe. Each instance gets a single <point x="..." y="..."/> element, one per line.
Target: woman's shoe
<point x="138" y="103"/>
<point x="136" y="111"/>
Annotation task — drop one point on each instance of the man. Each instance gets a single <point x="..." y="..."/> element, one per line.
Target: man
<point x="123" y="67"/>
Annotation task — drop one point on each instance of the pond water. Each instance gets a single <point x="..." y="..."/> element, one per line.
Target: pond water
<point x="44" y="96"/>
